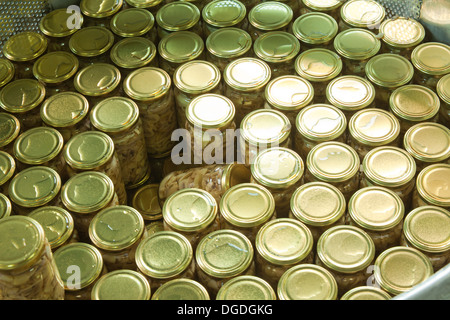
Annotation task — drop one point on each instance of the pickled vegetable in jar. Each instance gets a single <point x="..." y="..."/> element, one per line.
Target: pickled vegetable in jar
<point x="443" y="91"/>
<point x="146" y="201"/>
<point x="99" y="12"/>
<point x="27" y="267"/>
<point x="367" y="14"/>
<point x="330" y="7"/>
<point x="181" y="289"/>
<point x="5" y="206"/>
<point x="121" y="285"/>
<point x="7" y="72"/>
<point x="432" y="187"/>
<point x="179" y="16"/>
<point x="366" y="293"/>
<point x="281" y="171"/>
<point x="271" y="16"/>
<point x="246" y="288"/>
<point x="219" y="14"/>
<point x="151" y="5"/>
<point x="134" y="22"/>
<point x="9" y="131"/>
<point x="280" y="245"/>
<point x="8" y="165"/>
<point x="314" y="30"/>
<point x="119" y="118"/>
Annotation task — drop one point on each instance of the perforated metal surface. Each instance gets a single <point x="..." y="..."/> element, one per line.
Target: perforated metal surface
<point x="403" y="8"/>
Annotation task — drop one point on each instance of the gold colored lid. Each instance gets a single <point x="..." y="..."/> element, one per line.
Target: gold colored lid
<point x="9" y="128"/>
<point x="100" y="8"/>
<point x="38" y="145"/>
<point x="143" y="3"/>
<point x="64" y="109"/>
<point x="318" y="65"/>
<point x="97" y="79"/>
<point x="181" y="46"/>
<point x="114" y="114"/>
<point x="270" y="16"/>
<point x="247" y="74"/>
<point x="400" y="268"/>
<point x="22" y="240"/>
<point x="91" y="41"/>
<point x="315" y="27"/>
<point x="164" y="254"/>
<point x="374" y="127"/>
<point x="321" y="122"/>
<point x="197" y="76"/>
<point x="190" y="210"/>
<point x="57" y="222"/>
<point x="276" y="46"/>
<point x="247" y="205"/>
<point x="393" y="31"/>
<point x="132" y="53"/>
<point x="443" y="88"/>
<point x="433" y="184"/>
<point x="210" y="111"/>
<point x="389" y="70"/>
<point x="322" y="5"/>
<point x="178" y="16"/>
<point x="366" y="293"/>
<point x="432" y="58"/>
<point x="414" y="102"/>
<point x="224" y="13"/>
<point x="362" y="13"/>
<point x="87" y="192"/>
<point x="25" y="46"/>
<point x="266" y="127"/>
<point x="116" y="228"/>
<point x="34" y="187"/>
<point x="7" y="71"/>
<point x="82" y="258"/>
<point x="246" y="287"/>
<point x="181" y="289"/>
<point x="307" y="282"/>
<point x="289" y="92"/>
<point x="5" y="206"/>
<point x="277" y="167"/>
<point x="318" y="204"/>
<point x="22" y="95"/>
<point x="350" y="93"/>
<point x="346" y="249"/>
<point x="55" y="67"/>
<point x="428" y="141"/>
<point x="146" y="201"/>
<point x="121" y="285"/>
<point x="132" y="22"/>
<point x="357" y="44"/>
<point x="224" y="253"/>
<point x="228" y="42"/>
<point x="376" y="208"/>
<point x="389" y="166"/>
<point x="147" y="84"/>
<point x="7" y="167"/>
<point x="333" y="161"/>
<point x="54" y="23"/>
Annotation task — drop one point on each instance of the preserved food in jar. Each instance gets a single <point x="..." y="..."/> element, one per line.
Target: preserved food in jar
<point x="318" y="123"/>
<point x="317" y="283"/>
<point x="432" y="187"/>
<point x="5" y="206"/>
<point x="346" y="252"/>
<point x="319" y="67"/>
<point x="117" y="232"/>
<point x="366" y="293"/>
<point x="246" y="288"/>
<point x="443" y="91"/>
<point x="181" y="289"/>
<point x="427" y="230"/>
<point x="119" y="118"/>
<point x="179" y="16"/>
<point x="192" y="212"/>
<point x="146" y="201"/>
<point x="151" y="5"/>
<point x="151" y="90"/>
<point x="27" y="267"/>
<point x="223" y="255"/>
<point x="272" y="16"/>
<point x="330" y="7"/>
<point x="8" y="165"/>
<point x="398" y="269"/>
<point x="280" y="170"/>
<point x="319" y="206"/>
<point x="7" y="72"/>
<point x="314" y="30"/>
<point x="121" y="285"/>
<point x="154" y="227"/>
<point x="134" y="22"/>
<point x="84" y="260"/>
<point x="335" y="163"/>
<point x="99" y="12"/>
<point x="368" y="14"/>
<point x="9" y="131"/>
<point x="219" y="14"/>
<point x="280" y="245"/>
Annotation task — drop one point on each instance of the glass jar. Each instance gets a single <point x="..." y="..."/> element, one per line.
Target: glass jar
<point x="219" y="14"/>
<point x="366" y="293"/>
<point x="318" y="123"/>
<point x="330" y="7"/>
<point x="134" y="22"/>
<point x="179" y="16"/>
<point x="288" y="94"/>
<point x="246" y="288"/>
<point x="151" y="5"/>
<point x="191" y="212"/>
<point x="387" y="72"/>
<point x="373" y="127"/>
<point x="269" y="16"/>
<point x="151" y="89"/>
<point x="280" y="170"/>
<point x="280" y="245"/>
<point x="5" y="206"/>
<point x="262" y="129"/>
<point x="7" y="72"/>
<point x="245" y="80"/>
<point x="432" y="187"/>
<point x="367" y="14"/>
<point x="22" y="98"/>
<point x="427" y="230"/>
<point x="192" y="79"/>
<point x="307" y="282"/>
<point x="443" y="91"/>
<point x="315" y="30"/>
<point x="335" y="163"/>
<point x="146" y="201"/>
<point x="319" y="66"/>
<point x="27" y="266"/>
<point x="119" y="118"/>
<point x="346" y="252"/>
<point x="23" y="49"/>
<point x="356" y="46"/>
<point x="223" y="255"/>
<point x="278" y="49"/>
<point x="318" y="205"/>
<point x="181" y="289"/>
<point x="165" y="256"/>
<point x="99" y="12"/>
<point x="80" y="266"/>
<point x="226" y="45"/>
<point x="246" y="208"/>
<point x="399" y="269"/>
<point x="9" y="131"/>
<point x="8" y="165"/>
<point x="121" y="285"/>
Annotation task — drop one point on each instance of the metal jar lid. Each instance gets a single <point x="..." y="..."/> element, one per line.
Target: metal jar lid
<point x="276" y="46"/>
<point x="432" y="58"/>
<point x="443" y="89"/>
<point x="197" y="76"/>
<point x="224" y="13"/>
<point x="322" y="5"/>
<point x="315" y="28"/>
<point x="115" y="114"/>
<point x="318" y="65"/>
<point x="54" y="23"/>
<point x="133" y="52"/>
<point x="5" y="206"/>
<point x="210" y="111"/>
<point x="146" y="201"/>
<point x="100" y="8"/>
<point x="432" y="184"/>
<point x="363" y="13"/>
<point x="228" y="42"/>
<point x="147" y="84"/>
<point x="8" y="165"/>
<point x="91" y="41"/>
<point x="181" y="289"/>
<point x="25" y="46"/>
<point x="7" y="71"/>
<point x="247" y="74"/>
<point x="22" y="95"/>
<point x="132" y="22"/>
<point x="270" y="15"/>
<point x="246" y="287"/>
<point x="395" y="36"/>
<point x="97" y="79"/>
<point x="181" y="46"/>
<point x="178" y="16"/>
<point x="64" y="109"/>
<point x="389" y="70"/>
<point x="289" y="92"/>
<point x="9" y="128"/>
<point x="146" y="4"/>
<point x="350" y="93"/>
<point x="366" y="293"/>
<point x="122" y="285"/>
<point x="357" y="44"/>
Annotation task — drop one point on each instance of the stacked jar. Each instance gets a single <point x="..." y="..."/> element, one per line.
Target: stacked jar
<point x="315" y="30"/>
<point x="218" y="14"/>
<point x="271" y="16"/>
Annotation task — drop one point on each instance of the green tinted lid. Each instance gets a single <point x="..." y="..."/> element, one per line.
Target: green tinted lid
<point x="64" y="109"/>
<point x="389" y="70"/>
<point x="132" y="22"/>
<point x="177" y="16"/>
<point x="433" y="184"/>
<point x="9" y="128"/>
<point x="357" y="44"/>
<point x="289" y="92"/>
<point x="146" y="84"/>
<point x="22" y="95"/>
<point x="247" y="74"/>
<point x="276" y="46"/>
<point x="5" y="206"/>
<point x="401" y="32"/>
<point x="246" y="288"/>
<point x="318" y="64"/>
<point x="224" y="13"/>
<point x="7" y="71"/>
<point x="443" y="88"/>
<point x="350" y="93"/>
<point x="270" y="15"/>
<point x="322" y="5"/>
<point x="55" y="67"/>
<point x="91" y="41"/>
<point x="114" y="114"/>
<point x="315" y="27"/>
<point x="97" y="79"/>
<point x="197" y="76"/>
<point x="228" y="42"/>
<point x="366" y="293"/>
<point x="7" y="167"/>
<point x="143" y="3"/>
<point x="181" y="289"/>
<point x="121" y="285"/>
<point x="363" y="13"/>
<point x="54" y="23"/>
<point x="146" y="201"/>
<point x="134" y="52"/>
<point x="181" y="46"/>
<point x="25" y="46"/>
<point x="100" y="8"/>
<point x="432" y="58"/>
